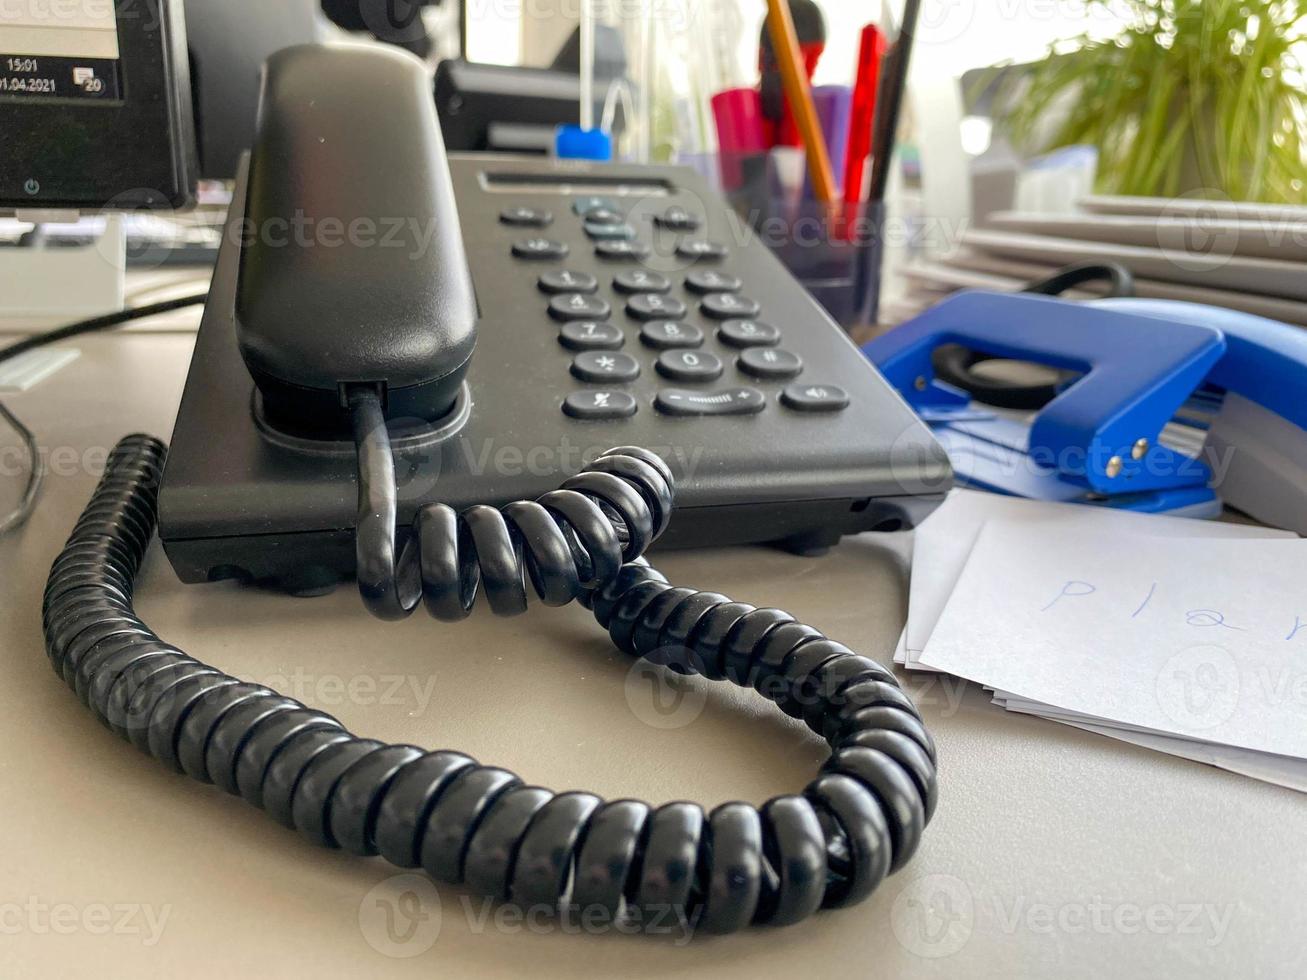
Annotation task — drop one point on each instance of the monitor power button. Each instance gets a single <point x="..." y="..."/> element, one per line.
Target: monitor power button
<point x="32" y="187"/>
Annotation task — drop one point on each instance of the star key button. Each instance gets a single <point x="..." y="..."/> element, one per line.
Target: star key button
<point x="605" y="367"/>
<point x="576" y="306"/>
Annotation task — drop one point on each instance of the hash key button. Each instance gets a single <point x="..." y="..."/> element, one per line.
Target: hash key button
<point x="602" y="366"/>
<point x="732" y="401"/>
<point x="729" y="306"/>
<point x="770" y="363"/>
<point x="575" y="306"/>
<point x="815" y="398"/>
<point x="599" y="405"/>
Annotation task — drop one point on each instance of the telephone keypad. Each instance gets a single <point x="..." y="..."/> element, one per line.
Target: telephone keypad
<point x="655" y="307"/>
<point x="670" y="335"/>
<point x="663" y="313"/>
<point x="771" y="363"/>
<point x="568" y="281"/>
<point x="588" y="335"/>
<point x="690" y="365"/>
<point x="605" y="367"/>
<point x="578" y="306"/>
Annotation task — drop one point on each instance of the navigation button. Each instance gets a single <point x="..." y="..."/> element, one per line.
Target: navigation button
<point x="539" y="248"/>
<point x="701" y="250"/>
<point x="525" y="217"/>
<point x="621" y="251"/>
<point x="732" y="401"/>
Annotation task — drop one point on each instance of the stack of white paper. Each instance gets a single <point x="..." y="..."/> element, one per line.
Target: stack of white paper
<point x="1187" y="637"/>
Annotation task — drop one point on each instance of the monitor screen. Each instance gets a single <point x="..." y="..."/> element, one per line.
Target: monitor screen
<point x="55" y="50"/>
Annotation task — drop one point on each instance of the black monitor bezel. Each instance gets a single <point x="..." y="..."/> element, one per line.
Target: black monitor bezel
<point x="144" y="144"/>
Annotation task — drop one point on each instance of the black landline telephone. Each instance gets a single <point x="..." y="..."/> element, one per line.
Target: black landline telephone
<point x="363" y="367"/>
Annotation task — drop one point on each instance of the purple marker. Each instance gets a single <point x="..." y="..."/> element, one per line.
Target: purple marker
<point x="834" y="105"/>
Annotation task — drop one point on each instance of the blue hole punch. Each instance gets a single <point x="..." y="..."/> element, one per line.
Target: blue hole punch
<point x="1165" y="409"/>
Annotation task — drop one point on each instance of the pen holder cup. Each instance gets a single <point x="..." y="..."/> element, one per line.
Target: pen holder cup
<point x="836" y="258"/>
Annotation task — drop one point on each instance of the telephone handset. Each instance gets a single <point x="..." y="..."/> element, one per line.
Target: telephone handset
<point x="358" y="357"/>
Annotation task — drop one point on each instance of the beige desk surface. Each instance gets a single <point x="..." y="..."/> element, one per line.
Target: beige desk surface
<point x="1054" y="853"/>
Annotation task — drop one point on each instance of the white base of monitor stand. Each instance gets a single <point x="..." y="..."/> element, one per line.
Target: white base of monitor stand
<point x="60" y="283"/>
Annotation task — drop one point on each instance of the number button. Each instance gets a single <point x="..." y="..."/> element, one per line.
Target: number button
<point x="655" y="307"/>
<point x="689" y="365"/>
<point x="575" y="306"/>
<point x="669" y="335"/>
<point x="567" y="281"/>
<point x="815" y="398"/>
<point x="539" y="248"/>
<point x="748" y="333"/>
<point x="696" y="251"/>
<point x="710" y="281"/>
<point x="733" y="401"/>
<point x="771" y="363"/>
<point x="642" y="281"/>
<point x="677" y="218"/>
<point x="593" y="406"/>
<point x="525" y="217"/>
<point x="621" y="251"/>
<point x="729" y="306"/>
<point x="589" y="335"/>
<point x="605" y="367"/>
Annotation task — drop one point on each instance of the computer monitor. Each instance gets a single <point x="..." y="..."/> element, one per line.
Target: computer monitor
<point x="95" y="105"/>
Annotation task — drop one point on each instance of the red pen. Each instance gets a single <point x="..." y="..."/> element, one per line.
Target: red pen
<point x="871" y="53"/>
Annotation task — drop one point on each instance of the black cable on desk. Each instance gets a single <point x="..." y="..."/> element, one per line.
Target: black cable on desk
<point x="32" y="490"/>
<point x="830" y="845"/>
